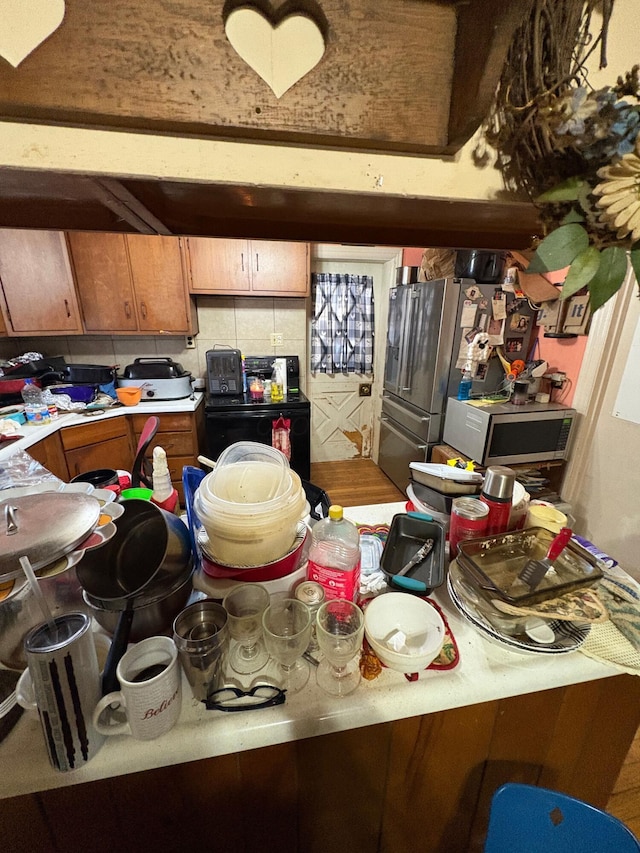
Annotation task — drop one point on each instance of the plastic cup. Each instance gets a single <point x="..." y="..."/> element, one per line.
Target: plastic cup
<point x="140" y="494"/>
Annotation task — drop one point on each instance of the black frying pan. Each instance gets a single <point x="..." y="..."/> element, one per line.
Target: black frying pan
<point x="150" y="546"/>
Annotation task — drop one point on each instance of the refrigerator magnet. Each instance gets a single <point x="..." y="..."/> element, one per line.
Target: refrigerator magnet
<point x="498" y="306"/>
<point x="473" y="292"/>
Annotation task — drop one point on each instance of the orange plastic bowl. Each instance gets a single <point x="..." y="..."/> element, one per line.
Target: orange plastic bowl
<point x="129" y="395"/>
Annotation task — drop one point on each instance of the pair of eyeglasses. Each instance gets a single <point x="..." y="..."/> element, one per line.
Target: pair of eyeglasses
<point x="235" y="699"/>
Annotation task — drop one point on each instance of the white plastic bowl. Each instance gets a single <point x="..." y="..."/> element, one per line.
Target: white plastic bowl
<point x="404" y="631"/>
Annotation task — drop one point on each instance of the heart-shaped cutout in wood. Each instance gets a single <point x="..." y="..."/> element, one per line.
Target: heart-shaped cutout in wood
<point x="282" y="53"/>
<point x="25" y="24"/>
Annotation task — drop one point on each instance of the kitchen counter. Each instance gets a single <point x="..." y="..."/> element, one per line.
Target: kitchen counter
<point x="33" y="434"/>
<point x="485" y="673"/>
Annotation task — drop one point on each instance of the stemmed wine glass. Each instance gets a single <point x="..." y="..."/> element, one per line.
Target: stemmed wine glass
<point x="339" y="629"/>
<point x="245" y="605"/>
<point x="286" y="626"/>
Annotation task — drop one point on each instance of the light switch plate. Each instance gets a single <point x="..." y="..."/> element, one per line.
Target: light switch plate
<point x="276" y="339"/>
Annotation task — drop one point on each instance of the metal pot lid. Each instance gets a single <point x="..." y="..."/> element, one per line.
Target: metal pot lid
<point x="43" y="527"/>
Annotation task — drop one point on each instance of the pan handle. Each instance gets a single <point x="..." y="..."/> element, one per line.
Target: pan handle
<point x="117" y="649"/>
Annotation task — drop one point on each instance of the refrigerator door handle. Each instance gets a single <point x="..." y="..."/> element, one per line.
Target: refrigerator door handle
<point x="409" y="337"/>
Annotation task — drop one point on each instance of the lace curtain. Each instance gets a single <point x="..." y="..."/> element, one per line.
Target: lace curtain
<point x="342" y="324"/>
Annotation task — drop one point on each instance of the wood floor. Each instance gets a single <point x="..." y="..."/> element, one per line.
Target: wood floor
<point x="360" y="481"/>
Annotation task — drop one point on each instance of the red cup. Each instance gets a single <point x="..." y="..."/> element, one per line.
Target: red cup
<point x="469" y="519"/>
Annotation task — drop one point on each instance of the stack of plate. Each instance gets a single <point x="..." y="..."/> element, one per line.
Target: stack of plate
<point x="522" y="634"/>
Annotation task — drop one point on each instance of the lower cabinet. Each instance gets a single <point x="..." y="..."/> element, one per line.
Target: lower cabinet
<point x="181" y="435"/>
<point x="50" y="453"/>
<point x="101" y="444"/>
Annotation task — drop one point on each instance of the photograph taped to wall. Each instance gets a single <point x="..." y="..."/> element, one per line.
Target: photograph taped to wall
<point x="513" y="345"/>
<point x="519" y="323"/>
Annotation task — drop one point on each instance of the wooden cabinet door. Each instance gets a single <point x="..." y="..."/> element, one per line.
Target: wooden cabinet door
<point x="37" y="282"/>
<point x="162" y="299"/>
<point x="219" y="266"/>
<point x="49" y="453"/>
<point x="103" y="278"/>
<point x="279" y="269"/>
<point x="100" y="444"/>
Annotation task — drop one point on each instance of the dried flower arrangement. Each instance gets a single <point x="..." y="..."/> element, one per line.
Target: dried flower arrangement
<point x="573" y="150"/>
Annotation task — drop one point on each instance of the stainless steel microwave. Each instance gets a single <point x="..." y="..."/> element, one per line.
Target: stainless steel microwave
<point x="506" y="434"/>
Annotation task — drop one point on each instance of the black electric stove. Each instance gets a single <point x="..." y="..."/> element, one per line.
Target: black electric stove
<point x="233" y="418"/>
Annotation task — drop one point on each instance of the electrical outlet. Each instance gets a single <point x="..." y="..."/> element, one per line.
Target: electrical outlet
<point x="190" y="342"/>
<point x="364" y="390"/>
<point x="276" y="339"/>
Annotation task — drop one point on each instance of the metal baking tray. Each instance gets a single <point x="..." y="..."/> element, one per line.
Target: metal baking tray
<point x="494" y="562"/>
<point x="407" y="532"/>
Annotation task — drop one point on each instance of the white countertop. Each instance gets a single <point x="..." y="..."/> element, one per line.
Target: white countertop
<point x="484" y="673"/>
<point x="33" y="434"/>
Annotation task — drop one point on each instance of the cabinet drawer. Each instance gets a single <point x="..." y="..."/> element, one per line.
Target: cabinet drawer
<point x="175" y="465"/>
<point x="175" y="444"/>
<point x="110" y="453"/>
<point x="80" y="436"/>
<point x="175" y="422"/>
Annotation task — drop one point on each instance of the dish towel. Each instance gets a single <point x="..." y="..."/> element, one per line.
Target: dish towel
<point x="617" y="641"/>
<point x="280" y="435"/>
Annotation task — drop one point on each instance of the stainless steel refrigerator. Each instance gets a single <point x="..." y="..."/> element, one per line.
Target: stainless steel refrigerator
<point x="427" y="324"/>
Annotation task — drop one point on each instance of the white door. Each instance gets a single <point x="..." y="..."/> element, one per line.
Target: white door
<point x="344" y="424"/>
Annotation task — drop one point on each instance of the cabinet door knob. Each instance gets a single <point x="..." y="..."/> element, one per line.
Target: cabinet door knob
<point x="66" y="305"/>
<point x="127" y="309"/>
<point x="143" y="309"/>
<point x="242" y="260"/>
<point x="257" y="263"/>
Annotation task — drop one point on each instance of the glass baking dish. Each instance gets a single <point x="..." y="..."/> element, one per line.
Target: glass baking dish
<point x="495" y="562"/>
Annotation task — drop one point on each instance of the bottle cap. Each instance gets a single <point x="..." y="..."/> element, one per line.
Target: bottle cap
<point x="498" y="482"/>
<point x="335" y="512"/>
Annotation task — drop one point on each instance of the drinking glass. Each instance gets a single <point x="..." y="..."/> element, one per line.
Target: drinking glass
<point x="245" y="605"/>
<point x="287" y="628"/>
<point x="339" y="629"/>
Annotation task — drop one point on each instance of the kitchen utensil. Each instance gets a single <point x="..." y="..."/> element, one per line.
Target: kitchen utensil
<point x="272" y="570"/>
<point x="99" y="479"/>
<point x="150" y="691"/>
<point x="535" y="570"/>
<point x="80" y="374"/>
<point x="405" y="631"/>
<point x="157" y="378"/>
<point x="201" y="634"/>
<point x="446" y="478"/>
<point x="43" y="526"/>
<point x="286" y="625"/>
<point x="568" y="636"/>
<point x="63" y="666"/>
<point x="421" y="554"/>
<point x="494" y="562"/>
<point x="339" y="629"/>
<point x="129" y="396"/>
<point x="407" y="533"/>
<point x="153" y="610"/>
<point x="245" y="605"/>
<point x="150" y="544"/>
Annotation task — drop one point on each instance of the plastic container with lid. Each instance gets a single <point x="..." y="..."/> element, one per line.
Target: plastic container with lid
<point x="334" y="555"/>
<point x="250" y="505"/>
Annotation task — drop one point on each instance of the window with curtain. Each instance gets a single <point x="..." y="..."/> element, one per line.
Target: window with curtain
<point x="342" y="324"/>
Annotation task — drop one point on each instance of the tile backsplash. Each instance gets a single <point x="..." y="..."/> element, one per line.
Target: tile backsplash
<point x="244" y="323"/>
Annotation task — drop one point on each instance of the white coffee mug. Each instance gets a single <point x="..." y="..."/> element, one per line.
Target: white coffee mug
<point x="150" y="691"/>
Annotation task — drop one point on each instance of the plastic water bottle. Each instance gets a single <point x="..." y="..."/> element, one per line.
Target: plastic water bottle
<point x="35" y="409"/>
<point x="334" y="556"/>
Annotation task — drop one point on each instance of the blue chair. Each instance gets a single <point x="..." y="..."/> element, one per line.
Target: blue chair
<point x="526" y="819"/>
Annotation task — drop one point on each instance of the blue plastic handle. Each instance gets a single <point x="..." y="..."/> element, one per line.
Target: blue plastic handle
<point x="421" y="515"/>
<point x="409" y="584"/>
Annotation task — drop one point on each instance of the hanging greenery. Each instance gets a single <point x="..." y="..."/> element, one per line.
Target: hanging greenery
<point x="571" y="149"/>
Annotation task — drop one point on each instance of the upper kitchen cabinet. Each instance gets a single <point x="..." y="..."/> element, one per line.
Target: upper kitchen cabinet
<point x="132" y="284"/>
<point x="38" y="294"/>
<point x="225" y="267"/>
